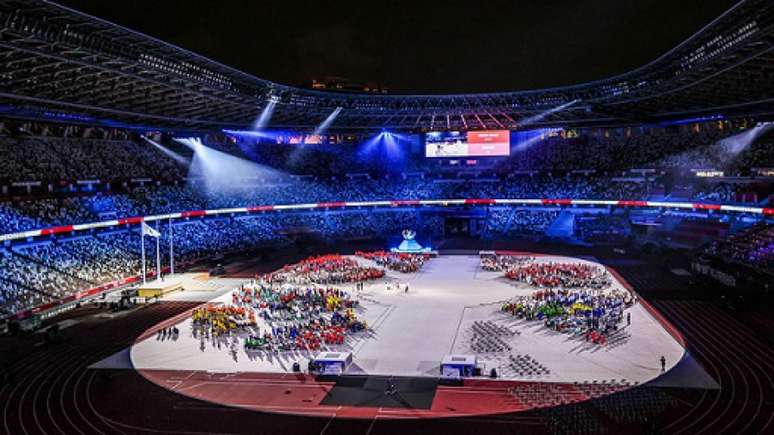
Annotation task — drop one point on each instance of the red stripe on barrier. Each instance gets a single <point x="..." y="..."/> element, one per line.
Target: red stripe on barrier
<point x="331" y="204"/>
<point x="193" y="213"/>
<point x="56" y="230"/>
<point x="769" y="211"/>
<point x="39" y="308"/>
<point x="403" y="202"/>
<point x="70" y="298"/>
<point x="480" y="201"/>
<point x="261" y="208"/>
<point x="556" y="201"/>
<point x="131" y="220"/>
<point x="633" y="203"/>
<point x="707" y="206"/>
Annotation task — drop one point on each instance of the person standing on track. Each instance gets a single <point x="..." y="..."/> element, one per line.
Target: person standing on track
<point x="390" y="389"/>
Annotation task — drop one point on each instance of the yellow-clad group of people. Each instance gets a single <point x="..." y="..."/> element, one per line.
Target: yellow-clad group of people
<point x="223" y="318"/>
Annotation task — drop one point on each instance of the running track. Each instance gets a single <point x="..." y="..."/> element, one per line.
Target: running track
<point x="53" y="391"/>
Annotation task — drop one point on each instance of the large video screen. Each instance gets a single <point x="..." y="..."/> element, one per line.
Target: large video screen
<point x="482" y="143"/>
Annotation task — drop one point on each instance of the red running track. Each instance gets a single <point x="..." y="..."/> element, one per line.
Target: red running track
<point x="302" y="394"/>
<point x="52" y="391"/>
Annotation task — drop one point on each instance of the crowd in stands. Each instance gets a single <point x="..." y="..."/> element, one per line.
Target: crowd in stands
<point x="753" y="247"/>
<point x="15" y="297"/>
<point x="68" y="265"/>
<point x="13" y="220"/>
<point x="58" y="156"/>
<point x="33" y="214"/>
<point x="77" y="153"/>
<point x="620" y="150"/>
<point x="720" y="193"/>
<point x="511" y="222"/>
<point x="24" y="215"/>
<point x="601" y="228"/>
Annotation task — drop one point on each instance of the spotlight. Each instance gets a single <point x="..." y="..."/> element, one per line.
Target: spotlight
<point x="169" y="153"/>
<point x="734" y="145"/>
<point x="540" y="116"/>
<point x="385" y="145"/>
<point x="221" y="172"/>
<point x="251" y="134"/>
<point x="327" y="122"/>
<point x="263" y="119"/>
<point x="524" y="140"/>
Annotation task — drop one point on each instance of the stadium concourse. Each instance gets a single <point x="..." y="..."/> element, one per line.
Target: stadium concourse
<point x="188" y="248"/>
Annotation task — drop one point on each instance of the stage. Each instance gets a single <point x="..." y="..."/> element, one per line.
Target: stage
<point x="185" y="286"/>
<point x="411" y="332"/>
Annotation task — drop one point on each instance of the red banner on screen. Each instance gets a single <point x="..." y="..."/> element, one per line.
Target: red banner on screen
<point x="489" y="143"/>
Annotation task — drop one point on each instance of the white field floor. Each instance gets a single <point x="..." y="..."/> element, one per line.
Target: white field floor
<point x="412" y="332"/>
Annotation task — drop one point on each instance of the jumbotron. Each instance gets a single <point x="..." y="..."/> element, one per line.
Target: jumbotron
<point x="188" y="248"/>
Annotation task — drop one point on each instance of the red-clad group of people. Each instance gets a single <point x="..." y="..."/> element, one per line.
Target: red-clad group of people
<point x="324" y="269"/>
<point x="499" y="263"/>
<point x="567" y="275"/>
<point x="398" y="261"/>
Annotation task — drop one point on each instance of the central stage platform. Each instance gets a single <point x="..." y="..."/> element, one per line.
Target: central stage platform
<point x="411" y="333"/>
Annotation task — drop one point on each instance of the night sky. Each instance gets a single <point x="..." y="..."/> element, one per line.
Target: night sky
<point x="421" y="46"/>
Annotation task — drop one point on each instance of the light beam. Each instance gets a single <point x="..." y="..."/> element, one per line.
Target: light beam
<point x="323" y="127"/>
<point x="221" y="172"/>
<point x="263" y="119"/>
<point x="540" y="116"/>
<point x="169" y="153"/>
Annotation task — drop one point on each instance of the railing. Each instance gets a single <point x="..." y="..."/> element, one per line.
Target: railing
<point x="349" y="204"/>
<point x="394" y="203"/>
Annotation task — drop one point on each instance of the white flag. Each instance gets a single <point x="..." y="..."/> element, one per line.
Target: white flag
<point x="147" y="230"/>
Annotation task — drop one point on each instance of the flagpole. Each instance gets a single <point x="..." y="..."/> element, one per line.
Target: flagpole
<point x="171" y="250"/>
<point x="142" y="248"/>
<point x="158" y="253"/>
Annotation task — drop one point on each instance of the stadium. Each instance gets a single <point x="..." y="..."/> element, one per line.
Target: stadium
<point x="192" y="248"/>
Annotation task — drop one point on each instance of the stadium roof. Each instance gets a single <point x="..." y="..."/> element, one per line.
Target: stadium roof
<point x="57" y="63"/>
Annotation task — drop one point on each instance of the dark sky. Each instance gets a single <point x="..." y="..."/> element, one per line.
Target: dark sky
<point x="421" y="46"/>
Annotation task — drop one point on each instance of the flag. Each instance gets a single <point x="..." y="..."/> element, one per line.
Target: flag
<point x="147" y="230"/>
